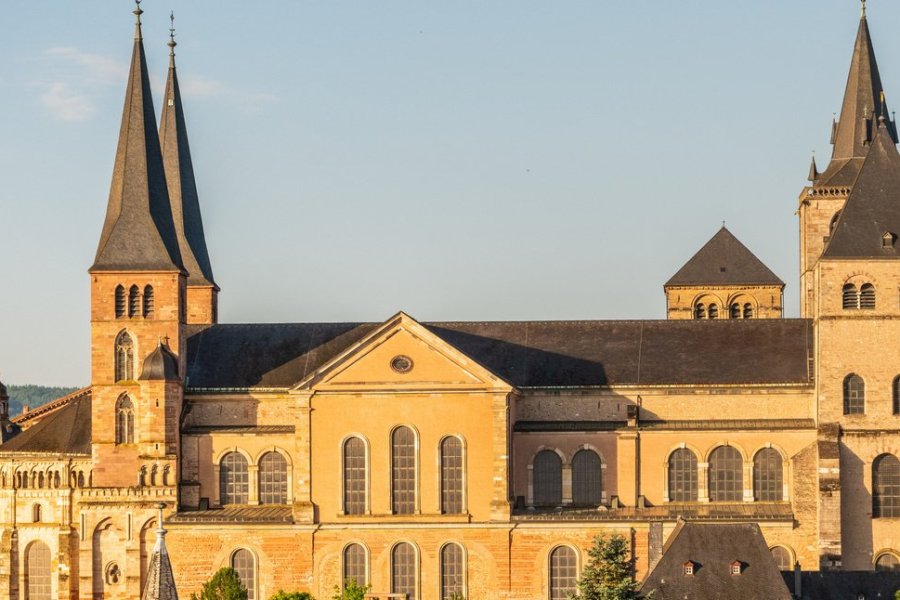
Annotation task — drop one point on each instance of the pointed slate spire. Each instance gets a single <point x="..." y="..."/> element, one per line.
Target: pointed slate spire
<point x="724" y="260"/>
<point x="813" y="170"/>
<point x="180" y="179"/>
<point x="138" y="234"/>
<point x="160" y="580"/>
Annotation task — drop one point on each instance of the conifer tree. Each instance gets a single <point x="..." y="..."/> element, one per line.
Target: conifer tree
<point x="607" y="575"/>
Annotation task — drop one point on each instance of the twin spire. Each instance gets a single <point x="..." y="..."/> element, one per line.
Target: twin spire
<point x="153" y="220"/>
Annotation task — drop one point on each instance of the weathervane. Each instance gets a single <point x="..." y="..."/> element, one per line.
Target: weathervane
<point x="172" y="42"/>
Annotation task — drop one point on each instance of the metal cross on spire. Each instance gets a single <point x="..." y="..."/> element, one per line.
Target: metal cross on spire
<point x="172" y="42"/>
<point x="863" y="8"/>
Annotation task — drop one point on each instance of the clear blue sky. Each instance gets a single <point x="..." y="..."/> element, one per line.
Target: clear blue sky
<point x="456" y="160"/>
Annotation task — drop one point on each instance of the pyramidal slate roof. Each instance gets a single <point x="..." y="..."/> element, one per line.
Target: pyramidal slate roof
<point x="138" y="233"/>
<point x="160" y="580"/>
<point x="182" y="187"/>
<point x="873" y="209"/>
<point x="724" y="260"/>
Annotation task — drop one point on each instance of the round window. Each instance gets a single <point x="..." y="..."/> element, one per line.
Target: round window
<point x="402" y="364"/>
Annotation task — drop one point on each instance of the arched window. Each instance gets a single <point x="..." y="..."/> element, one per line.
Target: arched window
<point x="453" y="572"/>
<point x="683" y="476"/>
<point x="242" y="562"/>
<point x="403" y="570"/>
<point x="233" y="479"/>
<point x="563" y="573"/>
<point x="403" y="471"/>
<point x="124" y="420"/>
<point x="895" y="393"/>
<point x="849" y="296"/>
<point x="854" y="395"/>
<point x="867" y="296"/>
<point x="37" y="572"/>
<point x="713" y="311"/>
<point x="726" y="475"/>
<point x="124" y="357"/>
<point x="833" y="223"/>
<point x="148" y="301"/>
<point x="451" y="476"/>
<point x="547" y="478"/>
<point x="886" y="486"/>
<point x="134" y="301"/>
<point x="700" y="311"/>
<point x="354" y="476"/>
<point x="355" y="565"/>
<point x="768" y="476"/>
<point x="120" y="301"/>
<point x="587" y="482"/>
<point x="735" y="311"/>
<point x="272" y="479"/>
<point x="783" y="558"/>
<point x="748" y="311"/>
<point x="36" y="513"/>
<point x="887" y="562"/>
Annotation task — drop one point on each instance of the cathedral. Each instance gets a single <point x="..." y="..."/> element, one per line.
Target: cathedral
<point x="476" y="460"/>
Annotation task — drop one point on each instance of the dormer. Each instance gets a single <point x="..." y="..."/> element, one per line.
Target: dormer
<point x="736" y="567"/>
<point x="688" y="568"/>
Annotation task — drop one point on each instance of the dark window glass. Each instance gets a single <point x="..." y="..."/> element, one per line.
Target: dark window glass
<point x="682" y="476"/>
<point x="700" y="311"/>
<point x="403" y="471"/>
<point x="713" y="311"/>
<point x="849" y="296"/>
<point x="453" y="571"/>
<point x="547" y="478"/>
<point x="886" y="486"/>
<point x="726" y="475"/>
<point x="124" y="357"/>
<point x="768" y="479"/>
<point x="451" y="476"/>
<point x="36" y="513"/>
<point x="854" y="395"/>
<point x="748" y="311"/>
<point x="148" y="301"/>
<point x="37" y="572"/>
<point x="233" y="479"/>
<point x="867" y="296"/>
<point x="895" y="389"/>
<point x="735" y="312"/>
<point x="242" y="562"/>
<point x="563" y="573"/>
<point x="120" y="301"/>
<point x="586" y="478"/>
<point x="124" y="420"/>
<point x="355" y="564"/>
<point x="782" y="558"/>
<point x="272" y="479"/>
<point x="887" y="562"/>
<point x="403" y="570"/>
<point x="134" y="301"/>
<point x="354" y="476"/>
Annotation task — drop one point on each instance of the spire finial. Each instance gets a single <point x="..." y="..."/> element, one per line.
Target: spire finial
<point x="172" y="42"/>
<point x="159" y="521"/>
<point x="863" y="8"/>
<point x="137" y="12"/>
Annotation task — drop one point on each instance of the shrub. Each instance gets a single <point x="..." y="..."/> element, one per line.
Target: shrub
<point x="224" y="585"/>
<point x="351" y="591"/>
<point x="282" y="595"/>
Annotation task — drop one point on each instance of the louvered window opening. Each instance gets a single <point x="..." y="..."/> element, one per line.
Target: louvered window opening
<point x="547" y="478"/>
<point x="587" y="486"/>
<point x="354" y="476"/>
<point x="451" y="476"/>
<point x="148" y="301"/>
<point x="713" y="311"/>
<point x="726" y="475"/>
<point x="854" y="395"/>
<point x="867" y="296"/>
<point x="134" y="301"/>
<point x="124" y="420"/>
<point x="683" y="476"/>
<point x="355" y="565"/>
<point x="735" y="312"/>
<point x="403" y="471"/>
<point x="120" y="301"/>
<point x="888" y="562"/>
<point x="403" y="570"/>
<point x="886" y="487"/>
<point x="453" y="571"/>
<point x="242" y="562"/>
<point x="563" y="573"/>
<point x="124" y="357"/>
<point x="273" y="479"/>
<point x="37" y="572"/>
<point x="233" y="479"/>
<point x="700" y="311"/>
<point x="768" y="476"/>
<point x="782" y="558"/>
<point x="849" y="297"/>
<point x="748" y="311"/>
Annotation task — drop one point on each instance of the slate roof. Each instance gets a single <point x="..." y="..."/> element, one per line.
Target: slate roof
<point x="138" y="233"/>
<point x="525" y="353"/>
<point x="670" y="511"/>
<point x="873" y="207"/>
<point x="160" y="365"/>
<point x="712" y="547"/>
<point x="66" y="431"/>
<point x="724" y="260"/>
<point x="845" y="585"/>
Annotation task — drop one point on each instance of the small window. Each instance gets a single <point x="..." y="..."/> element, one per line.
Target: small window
<point x="735" y="312"/>
<point x="886" y="487"/>
<point x="242" y="562"/>
<point x="888" y="239"/>
<point x="120" y="301"/>
<point x="124" y="420"/>
<point x="563" y="573"/>
<point x="736" y="567"/>
<point x="713" y="311"/>
<point x="134" y="301"/>
<point x="895" y="393"/>
<point x="36" y="513"/>
<point x="782" y="558"/>
<point x="748" y="311"/>
<point x="688" y="568"/>
<point x="700" y="311"/>
<point x="867" y="296"/>
<point x="355" y="565"/>
<point x="124" y="357"/>
<point x="888" y="562"/>
<point x="849" y="297"/>
<point x="148" y="301"/>
<point x="854" y="395"/>
<point x="833" y="223"/>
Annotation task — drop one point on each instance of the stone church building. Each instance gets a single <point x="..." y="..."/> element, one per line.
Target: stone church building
<point x="477" y="458"/>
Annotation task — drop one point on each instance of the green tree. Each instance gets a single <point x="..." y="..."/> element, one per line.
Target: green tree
<point x="897" y="595"/>
<point x="282" y="595"/>
<point x="224" y="585"/>
<point x="351" y="591"/>
<point x="607" y="575"/>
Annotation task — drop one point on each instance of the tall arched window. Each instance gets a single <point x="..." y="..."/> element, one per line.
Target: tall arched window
<point x="867" y="296"/>
<point x="233" y="479"/>
<point x="735" y="311"/>
<point x="887" y="562"/>
<point x="547" y="478"/>
<point x="120" y="301"/>
<point x="124" y="357"/>
<point x="354" y="476"/>
<point x="895" y="396"/>
<point x="713" y="311"/>
<point x="37" y="572"/>
<point x="587" y="481"/>
<point x="451" y="476"/>
<point x="768" y="476"/>
<point x="854" y="395"/>
<point x="148" y="301"/>
<point x="403" y="471"/>
<point x="403" y="570"/>
<point x="783" y="558"/>
<point x="748" y="311"/>
<point x="242" y="562"/>
<point x="886" y="486"/>
<point x="355" y="565"/>
<point x="726" y="475"/>
<point x="563" y="573"/>
<point x="683" y="476"/>
<point x="124" y="420"/>
<point x="453" y="572"/>
<point x="849" y="296"/>
<point x="134" y="301"/>
<point x="272" y="479"/>
<point x="700" y="311"/>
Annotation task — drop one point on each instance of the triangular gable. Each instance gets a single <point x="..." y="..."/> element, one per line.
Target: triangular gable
<point x="402" y="355"/>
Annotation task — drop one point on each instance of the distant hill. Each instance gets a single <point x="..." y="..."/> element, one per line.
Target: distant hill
<point x="33" y="396"/>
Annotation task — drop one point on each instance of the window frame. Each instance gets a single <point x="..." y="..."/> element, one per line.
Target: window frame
<point x="365" y="478"/>
<point x="260" y="485"/>
<point x="576" y="500"/>
<point x="693" y="491"/>
<point x="464" y="568"/>
<point x="790" y="557"/>
<point x="344" y="562"/>
<point x="462" y="480"/>
<point x="396" y="472"/>
<point x="416" y="574"/>
<point x="252" y="590"/>
<point x="777" y="489"/>
<point x="731" y="480"/>
<point x="123" y="356"/>
<point x="544" y="500"/>
<point x="551" y="576"/>
<point x="222" y="488"/>
<point x="854" y="399"/>
<point x="892" y="486"/>
<point x="125" y="420"/>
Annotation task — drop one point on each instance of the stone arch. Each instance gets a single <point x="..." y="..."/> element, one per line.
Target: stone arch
<point x="107" y="554"/>
<point x="147" y="539"/>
